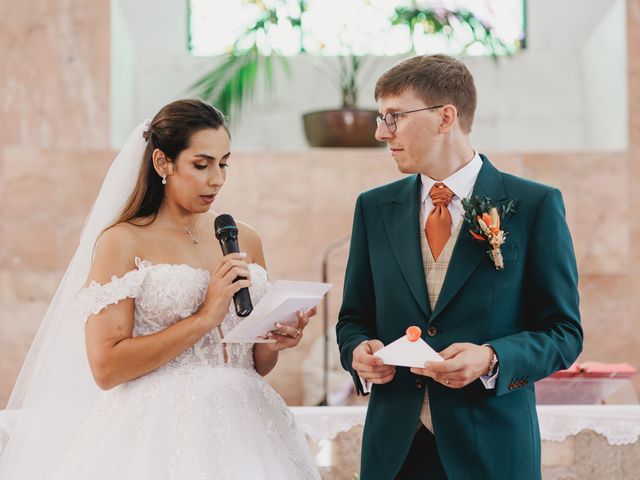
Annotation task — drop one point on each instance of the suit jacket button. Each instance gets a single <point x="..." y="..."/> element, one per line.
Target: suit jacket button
<point x="432" y="331"/>
<point x="419" y="384"/>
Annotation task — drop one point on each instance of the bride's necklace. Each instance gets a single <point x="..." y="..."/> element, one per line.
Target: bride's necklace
<point x="189" y="231"/>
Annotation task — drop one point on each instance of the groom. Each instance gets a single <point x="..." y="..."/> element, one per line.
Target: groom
<point x="413" y="261"/>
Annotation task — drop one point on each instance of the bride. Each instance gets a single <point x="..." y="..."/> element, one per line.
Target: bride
<point x="173" y="401"/>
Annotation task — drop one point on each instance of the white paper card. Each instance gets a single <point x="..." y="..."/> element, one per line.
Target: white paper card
<point x="279" y="305"/>
<point x="404" y="353"/>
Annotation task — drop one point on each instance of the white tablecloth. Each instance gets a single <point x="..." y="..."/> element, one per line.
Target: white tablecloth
<point x="619" y="424"/>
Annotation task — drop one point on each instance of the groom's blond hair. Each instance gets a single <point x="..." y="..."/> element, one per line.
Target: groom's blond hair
<point x="436" y="80"/>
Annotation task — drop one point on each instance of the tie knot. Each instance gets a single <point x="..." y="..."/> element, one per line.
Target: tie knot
<point x="440" y="194"/>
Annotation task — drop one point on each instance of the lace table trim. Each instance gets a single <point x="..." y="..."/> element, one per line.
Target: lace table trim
<point x="619" y="424"/>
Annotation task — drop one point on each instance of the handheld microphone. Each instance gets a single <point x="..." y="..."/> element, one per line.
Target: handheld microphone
<point x="227" y="235"/>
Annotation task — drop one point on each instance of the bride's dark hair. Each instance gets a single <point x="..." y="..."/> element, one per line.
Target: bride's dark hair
<point x="170" y="131"/>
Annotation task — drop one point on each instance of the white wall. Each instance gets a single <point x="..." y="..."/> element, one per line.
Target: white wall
<point x="605" y="94"/>
<point x="547" y="98"/>
<point x="122" y="75"/>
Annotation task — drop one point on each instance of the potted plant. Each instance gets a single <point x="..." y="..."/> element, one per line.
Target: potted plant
<point x="347" y="126"/>
<point x="231" y="84"/>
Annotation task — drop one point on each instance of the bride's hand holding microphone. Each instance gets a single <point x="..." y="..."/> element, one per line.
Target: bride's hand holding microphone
<point x="222" y="287"/>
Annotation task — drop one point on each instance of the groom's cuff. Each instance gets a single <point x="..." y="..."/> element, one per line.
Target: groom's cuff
<point x="366" y="384"/>
<point x="489" y="382"/>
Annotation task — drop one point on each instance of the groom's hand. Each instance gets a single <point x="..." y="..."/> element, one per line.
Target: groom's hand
<point x="370" y="367"/>
<point x="463" y="363"/>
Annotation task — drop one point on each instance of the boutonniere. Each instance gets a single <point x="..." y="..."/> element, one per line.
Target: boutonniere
<point x="483" y="220"/>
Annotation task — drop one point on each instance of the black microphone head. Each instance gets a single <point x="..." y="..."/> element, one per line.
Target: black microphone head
<point x="224" y="226"/>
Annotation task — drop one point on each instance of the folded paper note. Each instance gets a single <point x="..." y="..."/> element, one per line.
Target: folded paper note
<point x="406" y="352"/>
<point x="279" y="305"/>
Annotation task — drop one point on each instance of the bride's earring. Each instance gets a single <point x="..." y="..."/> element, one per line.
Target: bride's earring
<point x="164" y="179"/>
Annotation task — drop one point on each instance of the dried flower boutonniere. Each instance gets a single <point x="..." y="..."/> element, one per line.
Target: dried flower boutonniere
<point x="484" y="224"/>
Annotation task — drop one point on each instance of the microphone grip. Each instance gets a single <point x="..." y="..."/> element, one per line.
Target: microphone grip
<point x="242" y="298"/>
<point x="242" y="301"/>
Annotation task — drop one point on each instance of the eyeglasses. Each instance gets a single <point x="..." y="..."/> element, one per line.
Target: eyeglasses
<point x="391" y="118"/>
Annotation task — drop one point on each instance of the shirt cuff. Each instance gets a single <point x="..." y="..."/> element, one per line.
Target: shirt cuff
<point x="366" y="385"/>
<point x="489" y="382"/>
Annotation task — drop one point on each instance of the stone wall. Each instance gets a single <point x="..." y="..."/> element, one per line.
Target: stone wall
<point x="54" y="112"/>
<point x="54" y="140"/>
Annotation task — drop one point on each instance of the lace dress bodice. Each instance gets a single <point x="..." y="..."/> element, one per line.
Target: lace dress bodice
<point x="165" y="294"/>
<point x="207" y="414"/>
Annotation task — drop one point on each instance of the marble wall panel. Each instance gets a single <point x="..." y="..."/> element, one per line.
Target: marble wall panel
<point x="300" y="204"/>
<point x="56" y="96"/>
<point x="54" y="116"/>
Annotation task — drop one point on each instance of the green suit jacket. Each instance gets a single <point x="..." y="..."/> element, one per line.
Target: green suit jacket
<point x="527" y="312"/>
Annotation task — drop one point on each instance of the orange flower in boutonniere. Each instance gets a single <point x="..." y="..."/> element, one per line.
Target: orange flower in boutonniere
<point x="483" y="220"/>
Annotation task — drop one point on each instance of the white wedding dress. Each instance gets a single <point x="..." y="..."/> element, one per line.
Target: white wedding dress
<point x="206" y="414"/>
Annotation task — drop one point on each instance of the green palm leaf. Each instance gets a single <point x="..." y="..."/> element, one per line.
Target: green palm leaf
<point x="230" y="86"/>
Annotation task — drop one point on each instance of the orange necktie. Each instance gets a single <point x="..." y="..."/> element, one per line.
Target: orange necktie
<point x="438" y="225"/>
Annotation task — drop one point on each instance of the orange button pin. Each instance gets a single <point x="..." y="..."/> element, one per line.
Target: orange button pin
<point x="413" y="333"/>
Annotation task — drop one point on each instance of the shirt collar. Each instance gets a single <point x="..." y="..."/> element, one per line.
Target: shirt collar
<point x="460" y="183"/>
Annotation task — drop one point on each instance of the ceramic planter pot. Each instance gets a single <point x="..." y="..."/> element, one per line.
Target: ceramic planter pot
<point x="341" y="128"/>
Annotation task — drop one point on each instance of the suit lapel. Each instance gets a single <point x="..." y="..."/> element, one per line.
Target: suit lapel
<point x="401" y="218"/>
<point x="468" y="252"/>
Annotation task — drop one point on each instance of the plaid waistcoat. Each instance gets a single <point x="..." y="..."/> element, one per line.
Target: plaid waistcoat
<point x="434" y="272"/>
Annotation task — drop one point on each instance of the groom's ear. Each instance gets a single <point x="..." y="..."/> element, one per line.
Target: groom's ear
<point x="161" y="163"/>
<point x="448" y="115"/>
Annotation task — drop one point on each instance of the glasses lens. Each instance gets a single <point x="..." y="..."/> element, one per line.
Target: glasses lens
<point x="390" y="120"/>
